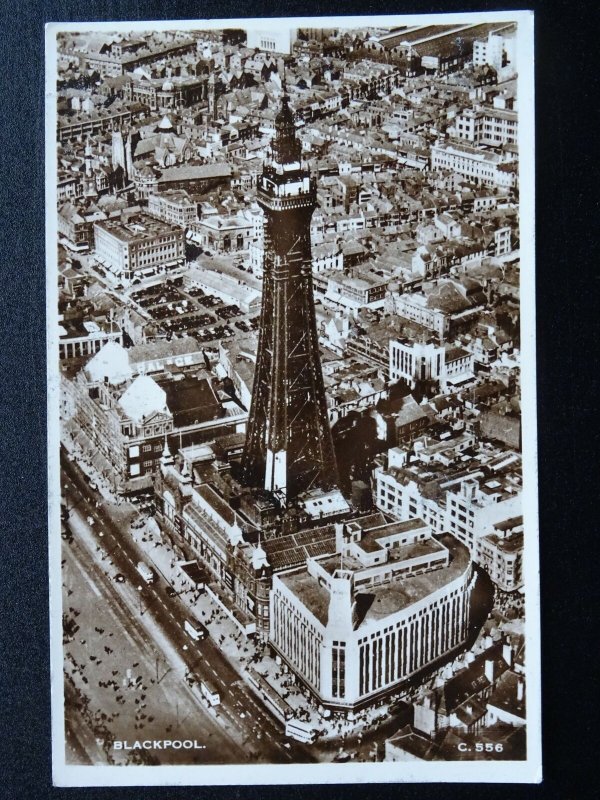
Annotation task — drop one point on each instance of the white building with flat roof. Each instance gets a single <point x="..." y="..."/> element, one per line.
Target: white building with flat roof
<point x="355" y="624"/>
<point x="275" y="40"/>
<point x="480" y="165"/>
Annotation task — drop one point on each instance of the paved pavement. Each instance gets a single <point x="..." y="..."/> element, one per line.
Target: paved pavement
<point x="120" y="681"/>
<point x="162" y="616"/>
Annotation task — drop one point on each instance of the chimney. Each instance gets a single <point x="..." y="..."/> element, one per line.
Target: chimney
<point x="339" y="536"/>
<point x="507" y="653"/>
<point x="520" y="689"/>
<point x="489" y="669"/>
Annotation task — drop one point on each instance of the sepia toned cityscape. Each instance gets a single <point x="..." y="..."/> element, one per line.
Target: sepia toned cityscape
<point x="289" y="344"/>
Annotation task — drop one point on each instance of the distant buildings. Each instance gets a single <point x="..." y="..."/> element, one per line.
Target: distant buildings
<point x="484" y="167"/>
<point x="498" y="50"/>
<point x="175" y="207"/>
<point x="121" y="56"/>
<point x="191" y="178"/>
<point x="164" y="94"/>
<point x="274" y="40"/>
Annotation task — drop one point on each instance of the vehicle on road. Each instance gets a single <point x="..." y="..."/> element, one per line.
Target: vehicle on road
<point x="195" y="630"/>
<point x="210" y="691"/>
<point x="119" y="577"/>
<point x="300" y="730"/>
<point x="145" y="571"/>
<point x="171" y="592"/>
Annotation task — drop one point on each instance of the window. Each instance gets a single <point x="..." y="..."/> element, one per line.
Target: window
<point x="134" y="469"/>
<point x="134" y="451"/>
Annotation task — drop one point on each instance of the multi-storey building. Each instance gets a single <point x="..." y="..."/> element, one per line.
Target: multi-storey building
<point x="416" y="308"/>
<point x="127" y="417"/>
<point x="487" y="126"/>
<point x="356" y="290"/>
<point x="77" y="226"/>
<point x="498" y="50"/>
<point x="278" y="40"/>
<point x="471" y="162"/>
<point x="138" y="245"/>
<point x="429" y="361"/>
<point x="468" y="505"/>
<point x="500" y="553"/>
<point x="119" y="57"/>
<point x="225" y="233"/>
<point x="160" y="95"/>
<point x="355" y="624"/>
<point x="175" y="207"/>
<point x="83" y="124"/>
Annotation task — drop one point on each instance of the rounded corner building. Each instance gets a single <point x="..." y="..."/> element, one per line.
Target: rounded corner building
<point x="391" y="601"/>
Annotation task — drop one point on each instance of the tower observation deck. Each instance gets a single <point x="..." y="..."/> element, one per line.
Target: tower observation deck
<point x="289" y="447"/>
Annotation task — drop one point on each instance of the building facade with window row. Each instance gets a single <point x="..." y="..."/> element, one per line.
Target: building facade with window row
<point x="356" y="624"/>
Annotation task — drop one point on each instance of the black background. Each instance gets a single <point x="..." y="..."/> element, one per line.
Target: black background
<point x="567" y="94"/>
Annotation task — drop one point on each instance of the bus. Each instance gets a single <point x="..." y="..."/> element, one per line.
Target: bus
<point x="210" y="691"/>
<point x="145" y="572"/>
<point x="196" y="630"/>
<point x="301" y="731"/>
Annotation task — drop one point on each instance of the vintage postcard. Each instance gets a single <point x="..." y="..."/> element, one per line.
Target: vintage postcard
<point x="292" y="415"/>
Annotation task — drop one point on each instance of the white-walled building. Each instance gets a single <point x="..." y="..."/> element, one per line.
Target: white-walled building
<point x="469" y="507"/>
<point x="274" y="40"/>
<point x="175" y="206"/>
<point x="357" y="623"/>
<point x="138" y="245"/>
<point x="429" y="361"/>
<point x="471" y="162"/>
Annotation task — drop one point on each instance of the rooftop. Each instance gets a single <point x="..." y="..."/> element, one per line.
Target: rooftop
<point x="383" y="600"/>
<point x="137" y="228"/>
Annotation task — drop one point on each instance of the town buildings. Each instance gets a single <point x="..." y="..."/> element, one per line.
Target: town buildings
<point x="283" y="247"/>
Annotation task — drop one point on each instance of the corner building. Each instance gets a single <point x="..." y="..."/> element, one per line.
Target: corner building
<point x="392" y="600"/>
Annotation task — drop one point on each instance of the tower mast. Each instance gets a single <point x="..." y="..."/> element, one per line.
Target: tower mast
<point x="289" y="448"/>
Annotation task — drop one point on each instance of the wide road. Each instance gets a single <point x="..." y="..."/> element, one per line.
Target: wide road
<point x="252" y="733"/>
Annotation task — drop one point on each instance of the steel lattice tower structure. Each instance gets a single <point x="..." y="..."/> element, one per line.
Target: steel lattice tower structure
<point x="289" y="448"/>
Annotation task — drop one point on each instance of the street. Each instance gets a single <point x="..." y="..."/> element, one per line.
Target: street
<point x="147" y="624"/>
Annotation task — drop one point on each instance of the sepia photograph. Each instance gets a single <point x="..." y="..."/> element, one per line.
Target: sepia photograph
<point x="293" y="530"/>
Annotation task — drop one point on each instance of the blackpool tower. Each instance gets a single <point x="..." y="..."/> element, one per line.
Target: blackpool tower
<point x="289" y="448"/>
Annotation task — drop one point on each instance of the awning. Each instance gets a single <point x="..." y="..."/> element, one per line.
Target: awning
<point x="139" y="484"/>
